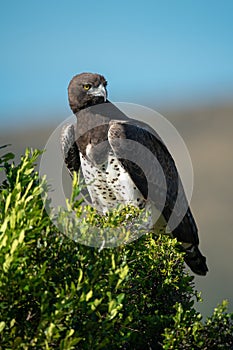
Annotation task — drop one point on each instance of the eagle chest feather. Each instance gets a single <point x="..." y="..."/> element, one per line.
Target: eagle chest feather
<point x="108" y="183"/>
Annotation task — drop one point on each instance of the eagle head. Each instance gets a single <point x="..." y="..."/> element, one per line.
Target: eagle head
<point x="85" y="90"/>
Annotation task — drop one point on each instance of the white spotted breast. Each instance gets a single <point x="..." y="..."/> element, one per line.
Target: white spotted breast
<point x="109" y="184"/>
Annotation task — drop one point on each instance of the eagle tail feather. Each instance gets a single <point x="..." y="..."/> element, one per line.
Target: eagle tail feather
<point x="195" y="260"/>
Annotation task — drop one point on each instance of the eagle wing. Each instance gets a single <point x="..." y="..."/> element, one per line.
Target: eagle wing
<point x="144" y="156"/>
<point x="70" y="149"/>
<point x="71" y="155"/>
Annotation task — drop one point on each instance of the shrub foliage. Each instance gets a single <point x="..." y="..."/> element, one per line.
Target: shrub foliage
<point x="56" y="293"/>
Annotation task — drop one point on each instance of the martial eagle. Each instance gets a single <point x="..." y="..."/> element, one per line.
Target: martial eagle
<point x="125" y="161"/>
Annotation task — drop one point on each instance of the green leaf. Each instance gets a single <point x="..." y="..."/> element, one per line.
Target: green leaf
<point x="8" y="200"/>
<point x="8" y="156"/>
<point x="2" y="326"/>
<point x="4" y="225"/>
<point x="89" y="295"/>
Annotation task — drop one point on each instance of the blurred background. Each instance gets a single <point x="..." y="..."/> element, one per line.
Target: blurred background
<point x="173" y="56"/>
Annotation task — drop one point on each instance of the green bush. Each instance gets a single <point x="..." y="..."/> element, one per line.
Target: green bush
<point x="59" y="294"/>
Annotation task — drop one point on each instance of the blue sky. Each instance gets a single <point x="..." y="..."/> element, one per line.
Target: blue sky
<point x="157" y="52"/>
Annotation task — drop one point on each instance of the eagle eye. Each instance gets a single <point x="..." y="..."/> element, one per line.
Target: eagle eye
<point x="86" y="86"/>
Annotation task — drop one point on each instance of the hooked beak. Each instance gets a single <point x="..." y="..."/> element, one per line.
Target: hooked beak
<point x="99" y="91"/>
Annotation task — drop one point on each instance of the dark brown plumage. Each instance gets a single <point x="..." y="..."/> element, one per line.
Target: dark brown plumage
<point x="106" y="139"/>
<point x="78" y="97"/>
